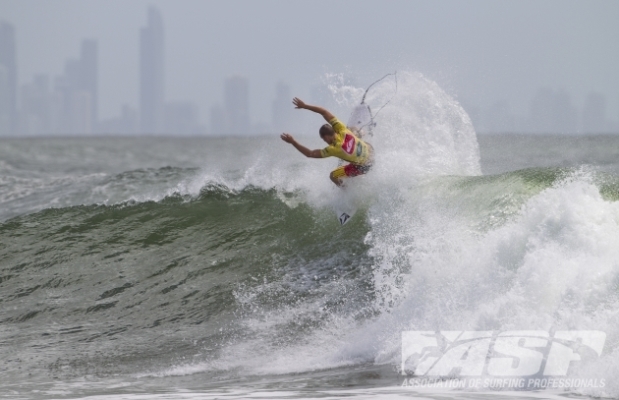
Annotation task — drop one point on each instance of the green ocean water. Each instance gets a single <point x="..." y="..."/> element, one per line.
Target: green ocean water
<point x="191" y="268"/>
<point x="199" y="289"/>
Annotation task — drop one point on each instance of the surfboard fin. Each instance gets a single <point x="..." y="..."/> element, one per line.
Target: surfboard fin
<point x="344" y="217"/>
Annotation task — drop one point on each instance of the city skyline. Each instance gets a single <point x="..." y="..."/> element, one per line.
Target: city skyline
<point x="8" y="78"/>
<point x="152" y="75"/>
<point x="259" y="104"/>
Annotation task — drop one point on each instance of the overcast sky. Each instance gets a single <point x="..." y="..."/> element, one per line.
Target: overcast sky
<point x="479" y="51"/>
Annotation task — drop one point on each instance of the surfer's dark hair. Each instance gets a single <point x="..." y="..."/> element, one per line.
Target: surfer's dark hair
<point x="325" y="130"/>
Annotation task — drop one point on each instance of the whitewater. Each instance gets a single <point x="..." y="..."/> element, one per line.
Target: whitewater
<point x="215" y="267"/>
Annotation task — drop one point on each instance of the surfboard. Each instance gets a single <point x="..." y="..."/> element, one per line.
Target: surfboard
<point x="361" y="121"/>
<point x="344" y="207"/>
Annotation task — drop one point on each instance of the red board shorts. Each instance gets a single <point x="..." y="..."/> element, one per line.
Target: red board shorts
<point x="350" y="170"/>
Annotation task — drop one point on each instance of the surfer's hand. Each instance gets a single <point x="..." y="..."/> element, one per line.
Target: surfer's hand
<point x="298" y="103"/>
<point x="286" y="137"/>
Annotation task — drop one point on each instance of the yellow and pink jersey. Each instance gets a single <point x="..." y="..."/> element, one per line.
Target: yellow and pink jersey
<point x="347" y="146"/>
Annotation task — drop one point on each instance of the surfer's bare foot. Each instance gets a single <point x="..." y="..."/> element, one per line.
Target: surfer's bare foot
<point x="338" y="182"/>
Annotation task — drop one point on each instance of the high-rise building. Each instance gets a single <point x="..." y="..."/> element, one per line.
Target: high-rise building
<point x="81" y="119"/>
<point x="236" y="103"/>
<point x="8" y="61"/>
<point x="125" y="124"/>
<point x="72" y="105"/>
<point x="152" y="74"/>
<point x="5" y="109"/>
<point x="282" y="108"/>
<point x="63" y="89"/>
<point x="35" y="110"/>
<point x="181" y="118"/>
<point x="552" y="112"/>
<point x="89" y="76"/>
<point x="59" y="105"/>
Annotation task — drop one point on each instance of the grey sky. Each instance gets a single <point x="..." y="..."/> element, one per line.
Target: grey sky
<point x="480" y="51"/>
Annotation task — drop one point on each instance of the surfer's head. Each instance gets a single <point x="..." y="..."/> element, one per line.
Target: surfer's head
<point x="327" y="133"/>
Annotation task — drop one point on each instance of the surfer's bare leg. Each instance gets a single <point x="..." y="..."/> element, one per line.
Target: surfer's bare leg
<point x="336" y="180"/>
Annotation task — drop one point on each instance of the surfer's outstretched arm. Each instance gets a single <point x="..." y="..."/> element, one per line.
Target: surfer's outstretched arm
<point x="286" y="137"/>
<point x="319" y="110"/>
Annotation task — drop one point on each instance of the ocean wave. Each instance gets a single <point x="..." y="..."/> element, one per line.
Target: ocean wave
<point x="231" y="273"/>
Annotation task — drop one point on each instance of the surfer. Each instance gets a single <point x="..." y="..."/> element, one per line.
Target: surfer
<point x="342" y="143"/>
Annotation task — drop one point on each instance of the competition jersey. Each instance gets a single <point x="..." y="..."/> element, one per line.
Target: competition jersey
<point x="347" y="146"/>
